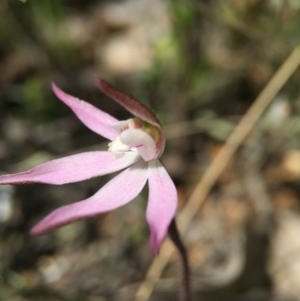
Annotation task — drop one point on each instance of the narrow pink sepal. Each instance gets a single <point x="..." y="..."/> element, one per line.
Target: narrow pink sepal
<point x="162" y="203"/>
<point x="95" y="119"/>
<point x="116" y="193"/>
<point x="132" y="105"/>
<point x="72" y="168"/>
<point x="140" y="140"/>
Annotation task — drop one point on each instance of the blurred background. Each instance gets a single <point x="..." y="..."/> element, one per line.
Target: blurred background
<point x="199" y="65"/>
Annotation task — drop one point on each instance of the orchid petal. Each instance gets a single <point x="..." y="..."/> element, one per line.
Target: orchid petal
<point x="72" y="168"/>
<point x="95" y="119"/>
<point x="162" y="203"/>
<point x="116" y="193"/>
<point x="140" y="140"/>
<point x="127" y="101"/>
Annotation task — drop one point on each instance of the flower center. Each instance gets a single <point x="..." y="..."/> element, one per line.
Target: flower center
<point x="135" y="135"/>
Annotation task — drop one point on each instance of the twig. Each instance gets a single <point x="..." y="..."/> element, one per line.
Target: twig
<point x="202" y="189"/>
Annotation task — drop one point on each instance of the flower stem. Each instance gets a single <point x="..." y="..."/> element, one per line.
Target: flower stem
<point x="185" y="293"/>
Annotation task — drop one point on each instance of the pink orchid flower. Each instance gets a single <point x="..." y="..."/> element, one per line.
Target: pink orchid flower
<point x="136" y="144"/>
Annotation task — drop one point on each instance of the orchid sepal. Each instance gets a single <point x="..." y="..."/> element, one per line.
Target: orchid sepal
<point x="132" y="105"/>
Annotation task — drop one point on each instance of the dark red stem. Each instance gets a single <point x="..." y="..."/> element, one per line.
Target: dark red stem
<point x="185" y="293"/>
